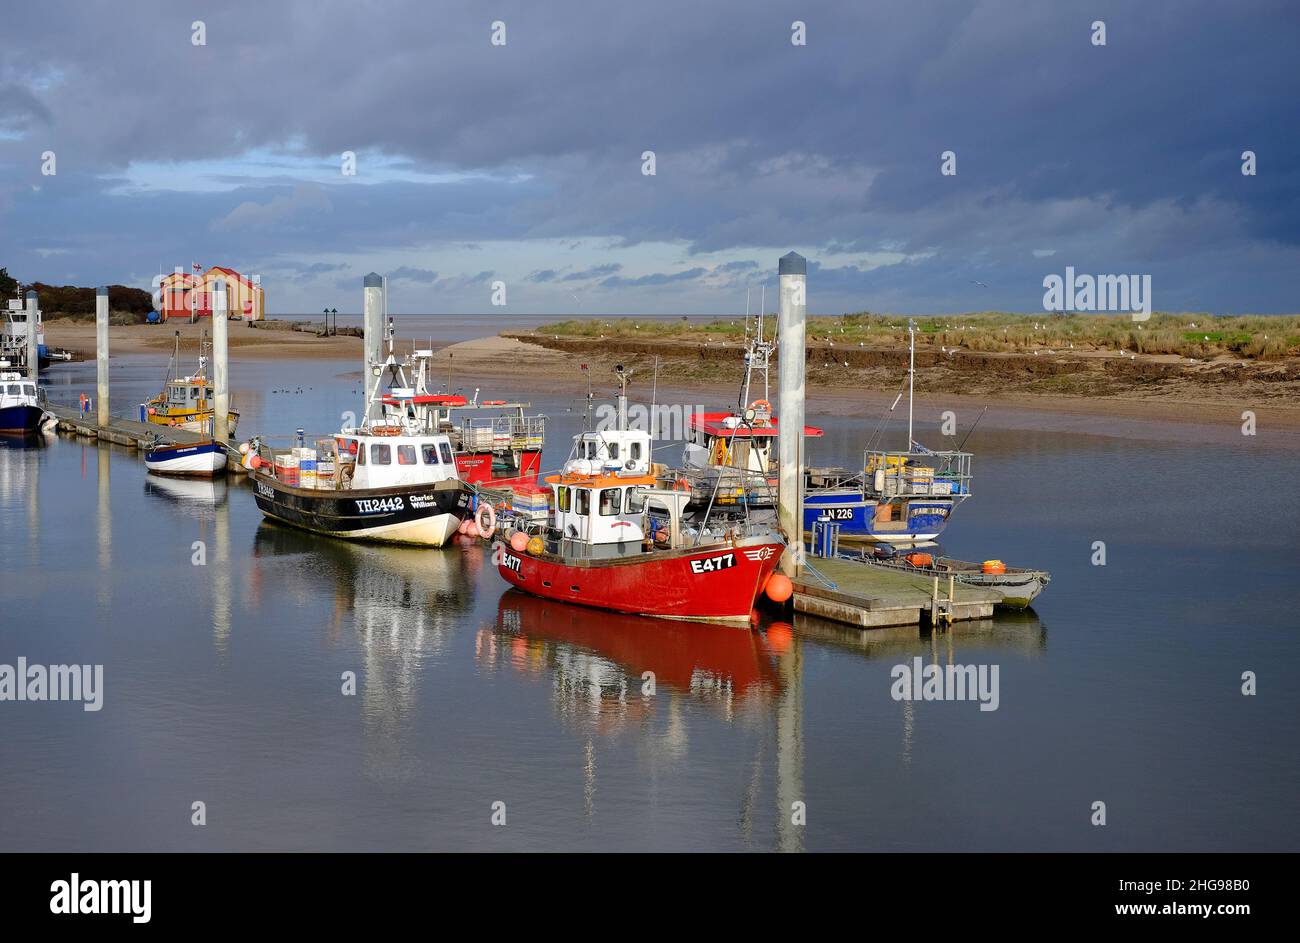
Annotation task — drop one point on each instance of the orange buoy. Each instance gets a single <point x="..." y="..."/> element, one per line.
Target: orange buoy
<point x="519" y="541"/>
<point x="778" y="588"/>
<point x="535" y="546"/>
<point x="779" y="636"/>
<point x="994" y="566"/>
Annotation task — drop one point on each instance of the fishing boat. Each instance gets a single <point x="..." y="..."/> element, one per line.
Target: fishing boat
<point x="620" y="537"/>
<point x="901" y="496"/>
<point x="389" y="480"/>
<point x="13" y="334"/>
<point x="504" y="447"/>
<point x="21" y="404"/>
<point x="186" y="402"/>
<point x="734" y="452"/>
<point x="1019" y="586"/>
<point x="196" y="460"/>
<point x="898" y="497"/>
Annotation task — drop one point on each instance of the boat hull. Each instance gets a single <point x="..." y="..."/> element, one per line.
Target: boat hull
<point x="22" y="419"/>
<point x="202" y="460"/>
<point x="418" y="515"/>
<point x="718" y="583"/>
<point x="923" y="517"/>
<point x="1018" y="587"/>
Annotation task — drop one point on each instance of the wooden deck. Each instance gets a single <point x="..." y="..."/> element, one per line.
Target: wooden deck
<point x="129" y="432"/>
<point x="869" y="597"/>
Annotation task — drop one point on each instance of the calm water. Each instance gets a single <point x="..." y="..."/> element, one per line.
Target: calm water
<point x="223" y="681"/>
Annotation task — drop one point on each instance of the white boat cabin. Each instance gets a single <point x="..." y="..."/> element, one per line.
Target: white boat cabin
<point x="17" y="390"/>
<point x="612" y="450"/>
<point x="606" y="495"/>
<point x="371" y="459"/>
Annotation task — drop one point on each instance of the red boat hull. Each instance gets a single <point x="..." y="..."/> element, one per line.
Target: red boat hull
<point x="476" y="468"/>
<point x="717" y="583"/>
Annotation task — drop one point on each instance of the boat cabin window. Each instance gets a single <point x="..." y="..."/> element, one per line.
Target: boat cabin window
<point x="610" y="499"/>
<point x="582" y="501"/>
<point x="430" y="453"/>
<point x="196" y="393"/>
<point x="445" y="450"/>
<point x="563" y="499"/>
<point x="13" y="389"/>
<point x="381" y="454"/>
<point x="613" y="450"/>
<point x="29" y="389"/>
<point x="591" y="449"/>
<point x="361" y="455"/>
<point x="406" y="455"/>
<point x="636" y="451"/>
<point x="635" y="499"/>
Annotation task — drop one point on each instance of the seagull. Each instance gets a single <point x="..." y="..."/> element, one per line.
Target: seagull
<point x="975" y="281"/>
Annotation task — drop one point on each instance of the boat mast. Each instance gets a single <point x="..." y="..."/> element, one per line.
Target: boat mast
<point x="622" y="396"/>
<point x="911" y="375"/>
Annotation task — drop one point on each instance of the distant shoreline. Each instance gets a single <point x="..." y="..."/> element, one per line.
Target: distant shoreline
<point x="268" y="339"/>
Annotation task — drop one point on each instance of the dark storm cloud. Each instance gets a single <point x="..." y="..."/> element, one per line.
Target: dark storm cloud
<point x="1114" y="159"/>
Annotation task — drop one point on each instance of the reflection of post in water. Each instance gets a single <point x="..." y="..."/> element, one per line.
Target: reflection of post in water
<point x="104" y="528"/>
<point x="789" y="748"/>
<point x="221" y="579"/>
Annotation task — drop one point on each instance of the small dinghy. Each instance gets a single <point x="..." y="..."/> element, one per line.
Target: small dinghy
<point x="200" y="460"/>
<point x="1018" y="586"/>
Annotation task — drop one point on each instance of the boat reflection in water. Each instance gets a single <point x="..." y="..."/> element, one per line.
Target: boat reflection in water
<point x="402" y="603"/>
<point x="190" y="494"/>
<point x="599" y="660"/>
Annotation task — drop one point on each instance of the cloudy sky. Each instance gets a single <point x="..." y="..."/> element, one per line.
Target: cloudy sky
<point x="523" y="162"/>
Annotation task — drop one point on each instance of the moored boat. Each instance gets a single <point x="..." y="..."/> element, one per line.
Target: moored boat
<point x="186" y="402"/>
<point x="1019" y="586"/>
<point x="502" y="447"/>
<point x="377" y="483"/>
<point x="21" y="412"/>
<point x="196" y="460"/>
<point x="620" y="537"/>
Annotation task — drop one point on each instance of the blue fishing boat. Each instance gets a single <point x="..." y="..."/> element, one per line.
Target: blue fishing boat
<point x="21" y="412"/>
<point x="899" y="497"/>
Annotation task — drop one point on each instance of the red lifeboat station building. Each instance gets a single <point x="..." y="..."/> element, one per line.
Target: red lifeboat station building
<point x="190" y="296"/>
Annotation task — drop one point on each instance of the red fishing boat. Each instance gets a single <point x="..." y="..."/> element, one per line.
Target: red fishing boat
<point x="620" y="537"/>
<point x="495" y="441"/>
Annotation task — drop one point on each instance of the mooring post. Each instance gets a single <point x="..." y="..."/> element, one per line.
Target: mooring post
<point x="934" y="602"/>
<point x="33" y="343"/>
<point x="793" y="272"/>
<point x="101" y="356"/>
<point x="372" y="323"/>
<point x="220" y="363"/>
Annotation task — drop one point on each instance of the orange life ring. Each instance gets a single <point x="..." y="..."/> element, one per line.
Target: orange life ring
<point x="385" y="430"/>
<point x="761" y="403"/>
<point x="681" y="485"/>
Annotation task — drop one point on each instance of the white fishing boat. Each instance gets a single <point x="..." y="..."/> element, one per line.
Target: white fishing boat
<point x="196" y="460"/>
